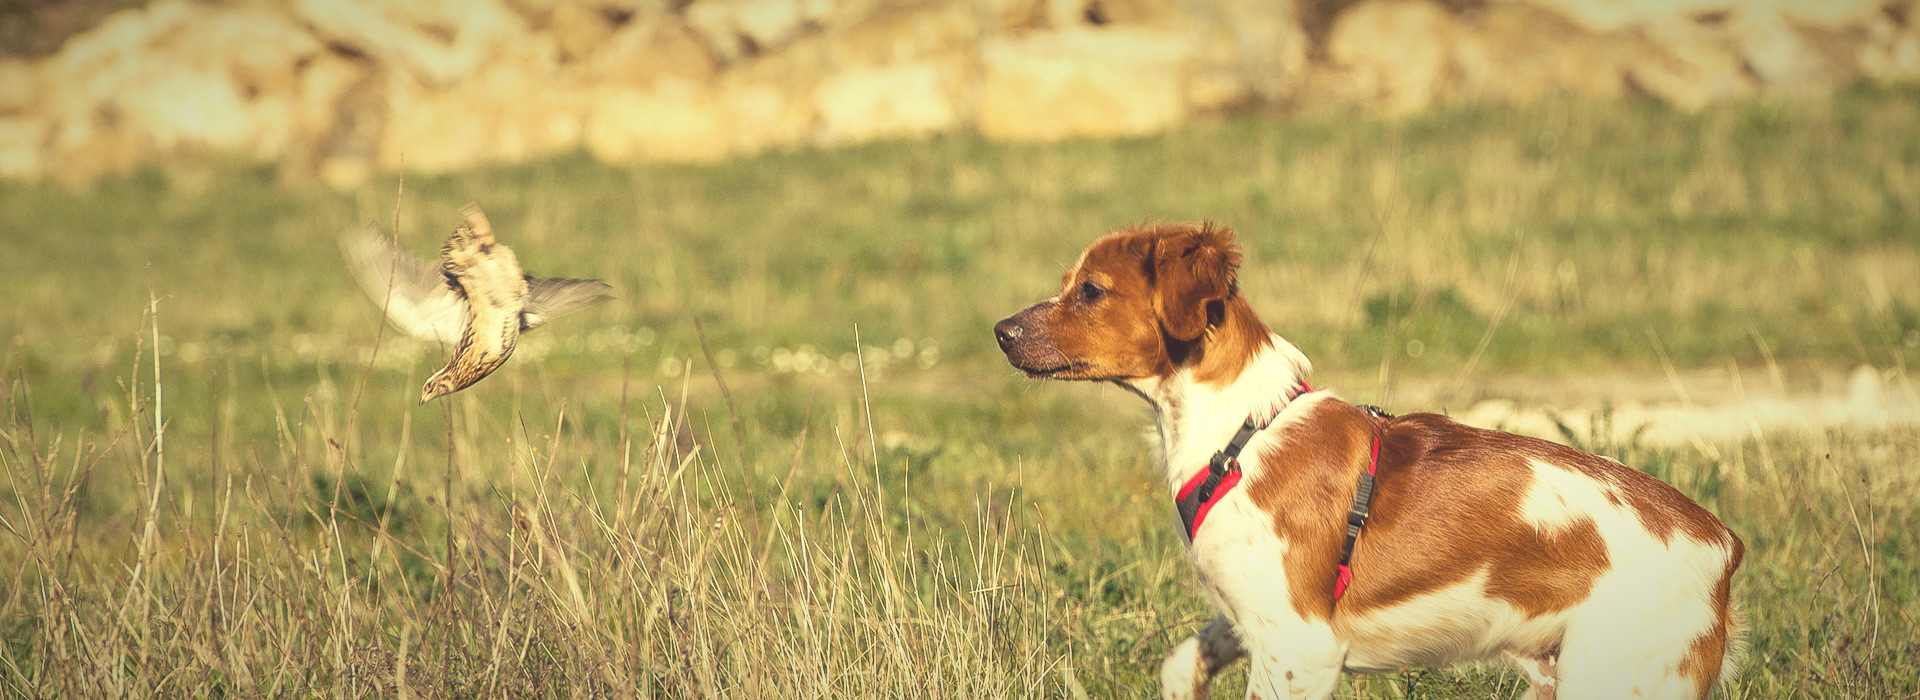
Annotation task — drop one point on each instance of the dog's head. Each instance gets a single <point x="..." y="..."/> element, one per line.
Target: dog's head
<point x="1137" y="305"/>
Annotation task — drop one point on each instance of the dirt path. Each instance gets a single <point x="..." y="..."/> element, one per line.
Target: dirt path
<point x="1682" y="408"/>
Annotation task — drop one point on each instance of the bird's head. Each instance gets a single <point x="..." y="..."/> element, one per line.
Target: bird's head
<point x="440" y="384"/>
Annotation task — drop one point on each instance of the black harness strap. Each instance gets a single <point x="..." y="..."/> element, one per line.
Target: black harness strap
<point x="1362" y="502"/>
<point x="1224" y="465"/>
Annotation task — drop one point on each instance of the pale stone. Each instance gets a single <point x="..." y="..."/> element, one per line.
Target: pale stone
<point x="261" y="48"/>
<point x="347" y="154"/>
<point x="1158" y="14"/>
<point x="1082" y="82"/>
<point x="93" y="67"/>
<point x="579" y="28"/>
<point x="80" y="151"/>
<point x="769" y="100"/>
<point x="1780" y="56"/>
<point x="1689" y="65"/>
<point x="1248" y="50"/>
<point x="535" y="12"/>
<point x="1614" y="15"/>
<point x="23" y="147"/>
<point x="898" y="100"/>
<point x="323" y="82"/>
<point x="766" y="115"/>
<point x="898" y="35"/>
<point x="177" y="77"/>
<point x="647" y="49"/>
<point x="438" y="41"/>
<point x="329" y="126"/>
<point x="736" y="29"/>
<point x="20" y="86"/>
<point x="1515" y="54"/>
<point x="186" y="106"/>
<point x="1390" y="56"/>
<point x="675" y="121"/>
<point x="1014" y="16"/>
<point x="119" y="39"/>
<point x="1064" y="14"/>
<point x="1891" y="52"/>
<point x="507" y="111"/>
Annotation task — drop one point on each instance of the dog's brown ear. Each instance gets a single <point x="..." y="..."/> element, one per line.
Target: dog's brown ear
<point x="1193" y="268"/>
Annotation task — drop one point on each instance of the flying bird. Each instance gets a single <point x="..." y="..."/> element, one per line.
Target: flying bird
<point x="477" y="297"/>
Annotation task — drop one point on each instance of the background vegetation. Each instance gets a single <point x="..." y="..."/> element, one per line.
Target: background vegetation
<point x="831" y="485"/>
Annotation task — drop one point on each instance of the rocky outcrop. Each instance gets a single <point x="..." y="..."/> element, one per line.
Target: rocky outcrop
<point x="338" y="90"/>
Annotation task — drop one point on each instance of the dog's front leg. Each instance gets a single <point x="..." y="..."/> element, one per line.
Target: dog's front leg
<point x="1291" y="661"/>
<point x="1190" y="668"/>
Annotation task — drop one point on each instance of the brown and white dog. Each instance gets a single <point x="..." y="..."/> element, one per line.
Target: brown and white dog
<point x="1597" y="580"/>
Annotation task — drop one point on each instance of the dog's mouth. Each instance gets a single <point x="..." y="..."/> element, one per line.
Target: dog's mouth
<point x="1051" y="372"/>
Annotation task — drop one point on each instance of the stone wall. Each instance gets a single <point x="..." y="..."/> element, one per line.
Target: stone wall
<point x="337" y="90"/>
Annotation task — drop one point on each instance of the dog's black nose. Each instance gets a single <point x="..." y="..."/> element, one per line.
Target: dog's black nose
<point x="1006" y="331"/>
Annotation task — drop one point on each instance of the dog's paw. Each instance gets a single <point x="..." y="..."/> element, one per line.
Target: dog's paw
<point x="1183" y="676"/>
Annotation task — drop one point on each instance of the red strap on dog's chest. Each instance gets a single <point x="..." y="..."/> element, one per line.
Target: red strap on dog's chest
<point x="1211" y="485"/>
<point x="1202" y="496"/>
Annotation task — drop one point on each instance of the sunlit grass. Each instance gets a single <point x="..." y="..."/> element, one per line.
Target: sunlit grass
<point x="599" y="517"/>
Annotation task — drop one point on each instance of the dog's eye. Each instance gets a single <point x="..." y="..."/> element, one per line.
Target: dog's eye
<point x="1090" y="292"/>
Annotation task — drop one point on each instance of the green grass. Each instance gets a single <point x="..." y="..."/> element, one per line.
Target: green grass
<point x="946" y="528"/>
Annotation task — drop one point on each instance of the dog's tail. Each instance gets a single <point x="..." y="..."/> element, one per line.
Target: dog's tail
<point x="1735" y="619"/>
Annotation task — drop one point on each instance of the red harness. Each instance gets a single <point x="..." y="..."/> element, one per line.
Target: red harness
<point x="1208" y="487"/>
<point x="1223" y="471"/>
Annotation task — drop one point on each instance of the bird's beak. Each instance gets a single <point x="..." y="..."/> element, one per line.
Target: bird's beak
<point x="427" y="394"/>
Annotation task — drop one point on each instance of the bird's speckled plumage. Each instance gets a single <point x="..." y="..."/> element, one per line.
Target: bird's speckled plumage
<point x="478" y="298"/>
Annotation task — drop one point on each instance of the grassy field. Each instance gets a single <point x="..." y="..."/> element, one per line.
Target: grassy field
<point x="217" y="484"/>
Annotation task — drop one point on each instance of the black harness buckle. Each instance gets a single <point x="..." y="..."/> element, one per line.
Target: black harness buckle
<point x="1222" y="465"/>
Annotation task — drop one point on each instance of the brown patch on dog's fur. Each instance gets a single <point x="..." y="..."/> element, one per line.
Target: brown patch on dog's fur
<point x="1307" y="482"/>
<point x="1705" y="655"/>
<point x="1435" y="472"/>
<point x="1230" y="344"/>
<point x="1432" y="472"/>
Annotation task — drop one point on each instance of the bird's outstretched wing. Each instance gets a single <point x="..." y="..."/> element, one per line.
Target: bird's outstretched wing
<point x="552" y="297"/>
<point x="422" y="303"/>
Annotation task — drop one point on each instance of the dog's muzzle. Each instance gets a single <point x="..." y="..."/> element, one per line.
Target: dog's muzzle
<point x="1027" y="343"/>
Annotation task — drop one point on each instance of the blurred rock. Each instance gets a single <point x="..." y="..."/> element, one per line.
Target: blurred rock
<point x="1516" y="54"/>
<point x="675" y="120"/>
<point x="1157" y="14"/>
<point x="513" y="108"/>
<point x="1014" y="16"/>
<point x="736" y="29"/>
<point x="1082" y="82"/>
<point x="904" y="34"/>
<point x="1247" y="50"/>
<point x="905" y="99"/>
<point x="1389" y="56"/>
<point x="653" y="96"/>
<point x="580" y="27"/>
<point x="897" y="71"/>
<point x="439" y="41"/>
<point x="1890" y="50"/>
<point x="348" y="154"/>
<point x="178" y="78"/>
<point x="1617" y="15"/>
<point x="1689" y="62"/>
<point x="647" y="49"/>
<point x="336" y="90"/>
<point x="20" y="86"/>
<point x="769" y="100"/>
<point x="1781" y="56"/>
<point x="22" y="141"/>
